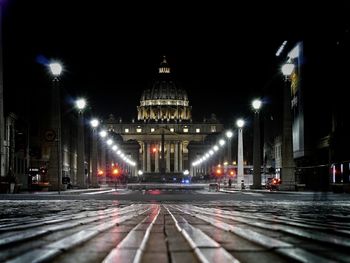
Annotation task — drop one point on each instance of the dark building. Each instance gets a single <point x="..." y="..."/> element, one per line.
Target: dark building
<point x="319" y="113"/>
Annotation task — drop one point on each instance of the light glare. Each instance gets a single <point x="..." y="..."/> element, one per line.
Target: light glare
<point x="240" y="123"/>
<point x="256" y="104"/>
<point x="55" y="68"/>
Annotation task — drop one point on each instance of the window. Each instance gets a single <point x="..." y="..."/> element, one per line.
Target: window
<point x="126" y="130"/>
<point x="213" y="128"/>
<point x="138" y="130"/>
<point x="185" y="129"/>
<point x="172" y="129"/>
<point x="198" y="130"/>
<point x="153" y="129"/>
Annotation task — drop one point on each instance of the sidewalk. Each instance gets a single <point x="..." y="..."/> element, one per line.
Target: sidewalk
<point x="71" y="191"/>
<point x="233" y="190"/>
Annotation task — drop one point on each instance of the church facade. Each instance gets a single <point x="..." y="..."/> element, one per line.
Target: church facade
<point x="164" y="140"/>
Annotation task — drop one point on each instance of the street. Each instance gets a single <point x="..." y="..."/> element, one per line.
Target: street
<point x="175" y="226"/>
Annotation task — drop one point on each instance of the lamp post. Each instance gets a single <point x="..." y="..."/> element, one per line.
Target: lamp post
<point x="256" y="149"/>
<point x="94" y="124"/>
<point x="240" y="170"/>
<point x="55" y="166"/>
<point x="229" y="135"/>
<point x="80" y="104"/>
<point x="288" y="174"/>
<point x="103" y="134"/>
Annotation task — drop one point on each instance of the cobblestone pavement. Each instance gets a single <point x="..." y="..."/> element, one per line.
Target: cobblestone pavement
<point x="226" y="231"/>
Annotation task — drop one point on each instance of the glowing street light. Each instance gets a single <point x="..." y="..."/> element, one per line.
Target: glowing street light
<point x="94" y="123"/>
<point x="229" y="134"/>
<point x="103" y="134"/>
<point x="222" y="142"/>
<point x="256" y="104"/>
<point x="55" y="68"/>
<point x="287" y="69"/>
<point x="240" y="123"/>
<point x="80" y="104"/>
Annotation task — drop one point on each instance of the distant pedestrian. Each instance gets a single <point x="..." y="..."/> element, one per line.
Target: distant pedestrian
<point x="12" y="180"/>
<point x="229" y="183"/>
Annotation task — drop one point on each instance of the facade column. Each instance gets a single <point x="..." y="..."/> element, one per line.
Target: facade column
<point x="180" y="157"/>
<point x="176" y="157"/>
<point x="156" y="157"/>
<point x="144" y="150"/>
<point x="148" y="158"/>
<point x="168" y="157"/>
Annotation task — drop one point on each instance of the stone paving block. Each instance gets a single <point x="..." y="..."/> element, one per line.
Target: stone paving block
<point x="36" y="255"/>
<point x="157" y="228"/>
<point x="178" y="243"/>
<point x="122" y="228"/>
<point x="198" y="237"/>
<point x="160" y="220"/>
<point x="217" y="255"/>
<point x="303" y="255"/>
<point x="149" y="257"/>
<point x="183" y="257"/>
<point x="156" y="243"/>
<point x="73" y="240"/>
<point x="258" y="256"/>
<point x="83" y="257"/>
<point x="170" y="229"/>
<point x="106" y="240"/>
<point x="121" y="255"/>
<point x="142" y="227"/>
<point x="133" y="240"/>
<point x="230" y="241"/>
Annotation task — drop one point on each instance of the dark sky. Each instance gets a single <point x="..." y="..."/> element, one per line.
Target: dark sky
<point x="223" y="54"/>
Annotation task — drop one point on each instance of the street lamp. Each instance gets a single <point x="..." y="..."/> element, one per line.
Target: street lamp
<point x="94" y="124"/>
<point x="55" y="166"/>
<point x="287" y="175"/>
<point x="256" y="149"/>
<point x="240" y="171"/>
<point x="80" y="105"/>
<point x="229" y="135"/>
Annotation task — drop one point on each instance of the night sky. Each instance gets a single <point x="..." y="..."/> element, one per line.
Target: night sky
<point x="222" y="54"/>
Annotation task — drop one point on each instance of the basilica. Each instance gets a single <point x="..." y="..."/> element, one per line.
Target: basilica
<point x="164" y="139"/>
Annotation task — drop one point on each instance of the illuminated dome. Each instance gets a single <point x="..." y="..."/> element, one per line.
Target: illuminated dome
<point x="164" y="100"/>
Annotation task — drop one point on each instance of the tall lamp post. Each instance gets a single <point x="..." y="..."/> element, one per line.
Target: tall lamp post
<point x="288" y="173"/>
<point x="55" y="166"/>
<point x="256" y="149"/>
<point x="229" y="135"/>
<point x="94" y="124"/>
<point x="240" y="170"/>
<point x="81" y="104"/>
